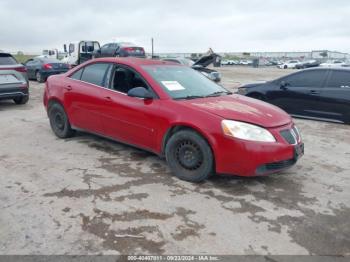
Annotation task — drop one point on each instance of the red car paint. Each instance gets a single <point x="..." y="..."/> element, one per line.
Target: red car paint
<point x="145" y="123"/>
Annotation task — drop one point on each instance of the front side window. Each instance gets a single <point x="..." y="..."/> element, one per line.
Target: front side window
<point x="71" y="48"/>
<point x="124" y="79"/>
<point x="77" y="74"/>
<point x="313" y="78"/>
<point x="339" y="79"/>
<point x="95" y="73"/>
<point x="182" y="82"/>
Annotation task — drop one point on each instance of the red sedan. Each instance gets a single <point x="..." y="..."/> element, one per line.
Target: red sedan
<point x="174" y="111"/>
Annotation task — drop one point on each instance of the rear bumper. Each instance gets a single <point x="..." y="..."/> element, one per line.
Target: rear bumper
<point x="248" y="158"/>
<point x="11" y="91"/>
<point x="46" y="74"/>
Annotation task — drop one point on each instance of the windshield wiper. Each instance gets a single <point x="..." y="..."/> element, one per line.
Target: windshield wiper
<point x="189" y="97"/>
<point x="218" y="93"/>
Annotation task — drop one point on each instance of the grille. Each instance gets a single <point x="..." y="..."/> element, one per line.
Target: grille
<point x="291" y="135"/>
<point x="275" y="166"/>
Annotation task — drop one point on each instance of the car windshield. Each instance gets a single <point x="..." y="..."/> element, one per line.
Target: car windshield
<point x="182" y="82"/>
<point x="187" y="62"/>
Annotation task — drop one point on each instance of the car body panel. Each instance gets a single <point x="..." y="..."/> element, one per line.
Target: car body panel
<point x="37" y="65"/>
<point x="320" y="101"/>
<point x="13" y="79"/>
<point x="146" y="123"/>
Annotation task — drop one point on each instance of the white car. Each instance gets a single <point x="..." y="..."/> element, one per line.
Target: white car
<point x="245" y="62"/>
<point x="336" y="63"/>
<point x="289" y="64"/>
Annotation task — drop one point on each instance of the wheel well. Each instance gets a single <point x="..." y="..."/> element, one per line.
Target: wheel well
<point x="171" y="131"/>
<point x="53" y="101"/>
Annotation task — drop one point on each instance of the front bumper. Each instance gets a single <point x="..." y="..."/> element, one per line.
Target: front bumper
<point x="249" y="158"/>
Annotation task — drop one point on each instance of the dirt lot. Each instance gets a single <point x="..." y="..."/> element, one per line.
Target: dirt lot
<point x="88" y="195"/>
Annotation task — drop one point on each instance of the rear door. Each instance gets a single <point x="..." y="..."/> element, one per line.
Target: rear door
<point x="83" y="97"/>
<point x="300" y="93"/>
<point x="335" y="96"/>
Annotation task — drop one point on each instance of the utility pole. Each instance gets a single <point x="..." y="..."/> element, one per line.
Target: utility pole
<point x="152" y="47"/>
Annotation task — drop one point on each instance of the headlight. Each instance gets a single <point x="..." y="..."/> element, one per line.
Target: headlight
<point x="246" y="131"/>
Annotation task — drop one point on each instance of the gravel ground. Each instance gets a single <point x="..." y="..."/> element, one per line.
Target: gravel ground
<point x="89" y="195"/>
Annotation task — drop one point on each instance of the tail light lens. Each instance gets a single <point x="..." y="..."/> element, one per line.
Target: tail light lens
<point x="47" y="66"/>
<point x="129" y="49"/>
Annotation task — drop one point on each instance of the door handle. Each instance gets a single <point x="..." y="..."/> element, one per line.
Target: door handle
<point x="68" y="88"/>
<point x="108" y="98"/>
<point x="313" y="92"/>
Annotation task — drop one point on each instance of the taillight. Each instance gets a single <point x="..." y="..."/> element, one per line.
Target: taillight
<point x="47" y="66"/>
<point x="21" y="69"/>
<point x="129" y="49"/>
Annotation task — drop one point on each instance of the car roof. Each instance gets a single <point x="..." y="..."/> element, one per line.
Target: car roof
<point x="133" y="61"/>
<point x="326" y="68"/>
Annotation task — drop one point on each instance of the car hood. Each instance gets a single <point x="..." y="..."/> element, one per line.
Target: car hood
<point x="241" y="108"/>
<point x="205" y="60"/>
<point x="254" y="84"/>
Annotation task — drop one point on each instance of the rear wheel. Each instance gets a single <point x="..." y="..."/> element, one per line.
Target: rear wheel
<point x="189" y="156"/>
<point x="59" y="121"/>
<point x="285" y="67"/>
<point x="21" y="100"/>
<point x="39" y="77"/>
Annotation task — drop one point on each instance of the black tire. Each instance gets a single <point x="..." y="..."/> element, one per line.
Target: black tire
<point x="59" y="121"/>
<point x="189" y="156"/>
<point x="21" y="100"/>
<point x="285" y="67"/>
<point x="39" y="77"/>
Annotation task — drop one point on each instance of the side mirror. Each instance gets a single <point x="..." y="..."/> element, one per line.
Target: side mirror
<point x="140" y="92"/>
<point x="283" y="85"/>
<point x="65" y="48"/>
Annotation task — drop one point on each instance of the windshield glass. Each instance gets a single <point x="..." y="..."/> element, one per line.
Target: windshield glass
<point x="182" y="82"/>
<point x="187" y="62"/>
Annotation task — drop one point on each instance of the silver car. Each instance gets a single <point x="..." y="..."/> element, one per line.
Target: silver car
<point x="13" y="80"/>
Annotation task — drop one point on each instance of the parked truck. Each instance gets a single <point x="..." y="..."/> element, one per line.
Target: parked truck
<point x="80" y="51"/>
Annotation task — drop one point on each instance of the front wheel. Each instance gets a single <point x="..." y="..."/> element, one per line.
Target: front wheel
<point x="59" y="121"/>
<point x="189" y="156"/>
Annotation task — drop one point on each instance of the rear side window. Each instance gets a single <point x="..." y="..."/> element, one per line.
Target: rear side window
<point x="314" y="78"/>
<point x="95" y="73"/>
<point x="7" y="59"/>
<point x="339" y="79"/>
<point x="77" y="74"/>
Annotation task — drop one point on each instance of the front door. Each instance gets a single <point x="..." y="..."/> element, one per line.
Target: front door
<point x="299" y="93"/>
<point x="129" y="119"/>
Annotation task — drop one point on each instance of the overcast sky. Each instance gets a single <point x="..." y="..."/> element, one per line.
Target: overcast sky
<point x="178" y="25"/>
